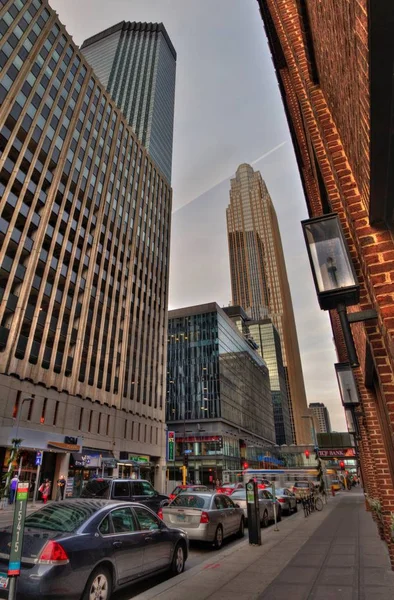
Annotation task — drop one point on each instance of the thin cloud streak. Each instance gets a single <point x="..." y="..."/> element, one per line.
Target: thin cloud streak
<point x="226" y="178"/>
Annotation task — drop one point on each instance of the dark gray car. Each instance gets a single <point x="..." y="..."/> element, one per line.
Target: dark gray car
<point x="125" y="490"/>
<point x="86" y="549"/>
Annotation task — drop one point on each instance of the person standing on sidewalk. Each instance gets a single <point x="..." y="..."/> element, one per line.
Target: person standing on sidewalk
<point x="45" y="489"/>
<point x="13" y="488"/>
<point x="61" y="486"/>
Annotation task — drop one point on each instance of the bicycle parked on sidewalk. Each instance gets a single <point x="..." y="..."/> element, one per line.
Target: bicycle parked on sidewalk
<point x="310" y="503"/>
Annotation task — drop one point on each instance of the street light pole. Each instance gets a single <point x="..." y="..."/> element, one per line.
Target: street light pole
<point x="15" y="447"/>
<point x="313" y="429"/>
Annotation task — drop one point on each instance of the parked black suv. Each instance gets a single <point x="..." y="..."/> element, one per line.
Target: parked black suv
<point x="133" y="490"/>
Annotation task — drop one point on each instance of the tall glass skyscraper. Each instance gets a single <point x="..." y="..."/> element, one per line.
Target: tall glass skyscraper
<point x="84" y="233"/>
<point x="136" y="62"/>
<point x="259" y="280"/>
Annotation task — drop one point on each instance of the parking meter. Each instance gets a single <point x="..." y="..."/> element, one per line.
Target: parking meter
<point x="252" y="502"/>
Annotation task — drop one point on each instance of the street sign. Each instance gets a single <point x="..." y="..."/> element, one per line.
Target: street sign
<point x="14" y="565"/>
<point x="171" y="445"/>
<point x="38" y="458"/>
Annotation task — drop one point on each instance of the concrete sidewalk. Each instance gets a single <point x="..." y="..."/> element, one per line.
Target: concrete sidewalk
<point x="335" y="554"/>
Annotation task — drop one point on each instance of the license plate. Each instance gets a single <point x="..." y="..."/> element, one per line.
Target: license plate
<point x="3" y="581"/>
<point x="181" y="517"/>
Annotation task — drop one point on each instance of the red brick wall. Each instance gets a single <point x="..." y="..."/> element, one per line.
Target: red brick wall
<point x="340" y="40"/>
<point x="332" y="117"/>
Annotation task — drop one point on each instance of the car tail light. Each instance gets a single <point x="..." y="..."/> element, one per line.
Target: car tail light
<point x="220" y="490"/>
<point x="282" y="500"/>
<point x="172" y="496"/>
<point x="53" y="553"/>
<point x="160" y="513"/>
<point x="204" y="517"/>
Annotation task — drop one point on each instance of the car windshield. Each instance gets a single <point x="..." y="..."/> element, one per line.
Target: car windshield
<point x="96" y="488"/>
<point x="191" y="501"/>
<point x="240" y="494"/>
<point x="64" y="518"/>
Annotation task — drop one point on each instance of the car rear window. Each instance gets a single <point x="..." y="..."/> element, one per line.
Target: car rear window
<point x="96" y="488"/>
<point x="191" y="501"/>
<point x="65" y="518"/>
<point x="241" y="494"/>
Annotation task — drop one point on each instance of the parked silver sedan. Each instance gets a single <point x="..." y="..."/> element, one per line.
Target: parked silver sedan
<point x="266" y="506"/>
<point x="207" y="517"/>
<point x="287" y="500"/>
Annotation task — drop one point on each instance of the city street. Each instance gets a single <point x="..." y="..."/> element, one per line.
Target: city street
<point x="199" y="553"/>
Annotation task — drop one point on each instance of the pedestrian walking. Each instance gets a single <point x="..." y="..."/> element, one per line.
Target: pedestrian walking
<point x="13" y="488"/>
<point x="61" y="486"/>
<point x="45" y="489"/>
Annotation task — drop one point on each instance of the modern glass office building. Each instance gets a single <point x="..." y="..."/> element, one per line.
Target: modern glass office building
<point x="136" y="62"/>
<point x="264" y="333"/>
<point x="84" y="232"/>
<point x="259" y="280"/>
<point x="218" y="393"/>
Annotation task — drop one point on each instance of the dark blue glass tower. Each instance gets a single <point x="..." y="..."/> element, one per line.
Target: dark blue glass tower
<point x="136" y="62"/>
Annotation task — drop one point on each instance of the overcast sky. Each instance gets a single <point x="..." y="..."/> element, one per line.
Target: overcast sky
<point x="228" y="110"/>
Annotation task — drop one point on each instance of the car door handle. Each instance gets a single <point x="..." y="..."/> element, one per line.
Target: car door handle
<point x="117" y="544"/>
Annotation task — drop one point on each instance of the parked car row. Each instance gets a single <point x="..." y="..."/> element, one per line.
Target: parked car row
<point x="84" y="549"/>
<point x="122" y="531"/>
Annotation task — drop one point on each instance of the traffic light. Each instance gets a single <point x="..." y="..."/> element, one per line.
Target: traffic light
<point x="342" y="465"/>
<point x="307" y="454"/>
<point x="186" y="460"/>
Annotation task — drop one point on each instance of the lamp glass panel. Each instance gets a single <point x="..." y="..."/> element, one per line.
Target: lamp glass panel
<point x="347" y="386"/>
<point x="351" y="425"/>
<point x="330" y="258"/>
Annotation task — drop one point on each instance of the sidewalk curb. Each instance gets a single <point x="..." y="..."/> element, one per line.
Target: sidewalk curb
<point x="270" y="541"/>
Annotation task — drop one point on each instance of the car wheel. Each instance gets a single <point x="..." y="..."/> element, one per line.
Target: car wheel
<point x="178" y="560"/>
<point x="99" y="585"/>
<point x="218" y="541"/>
<point x="265" y="520"/>
<point x="241" y="530"/>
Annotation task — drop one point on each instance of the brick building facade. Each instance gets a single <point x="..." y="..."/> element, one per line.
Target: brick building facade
<point x="333" y="61"/>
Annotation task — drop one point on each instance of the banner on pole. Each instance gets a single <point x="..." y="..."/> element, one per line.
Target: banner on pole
<point x="14" y="565"/>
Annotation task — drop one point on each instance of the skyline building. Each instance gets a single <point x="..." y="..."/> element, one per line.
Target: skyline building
<point x="136" y="63"/>
<point x="85" y="228"/>
<point x="321" y="417"/>
<point x="259" y="279"/>
<point x="218" y="393"/>
<point x="264" y="338"/>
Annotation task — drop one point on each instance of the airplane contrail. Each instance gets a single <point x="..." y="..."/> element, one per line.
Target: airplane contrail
<point x="226" y="178"/>
<point x="268" y="153"/>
